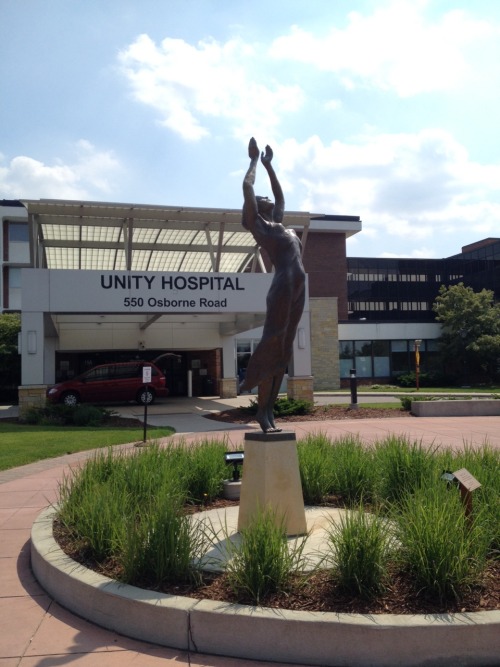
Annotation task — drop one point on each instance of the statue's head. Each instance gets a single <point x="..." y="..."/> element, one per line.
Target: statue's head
<point x="265" y="206"/>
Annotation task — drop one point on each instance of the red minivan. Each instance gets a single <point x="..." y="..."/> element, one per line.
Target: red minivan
<point x="110" y="383"/>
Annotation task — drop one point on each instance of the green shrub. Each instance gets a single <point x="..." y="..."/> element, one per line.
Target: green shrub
<point x="443" y="550"/>
<point x="360" y="546"/>
<point x="484" y="464"/>
<point x="262" y="563"/>
<point x="49" y="415"/>
<point x="283" y="407"/>
<point x="206" y="470"/>
<point x="56" y="414"/>
<point x="406" y="401"/>
<point x="353" y="470"/>
<point x="130" y="508"/>
<point x="425" y="379"/>
<point x="90" y="508"/>
<point x="402" y="467"/>
<point x="87" y="415"/>
<point x="315" y="454"/>
<point x="159" y="544"/>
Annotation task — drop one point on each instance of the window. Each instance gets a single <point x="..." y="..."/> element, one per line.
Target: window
<point x="381" y="358"/>
<point x="363" y="358"/>
<point x="346" y="355"/>
<point x="385" y="358"/>
<point x="98" y="374"/>
<point x="400" y="361"/>
<point x="14" y="277"/>
<point x="18" y="232"/>
<point x="128" y="371"/>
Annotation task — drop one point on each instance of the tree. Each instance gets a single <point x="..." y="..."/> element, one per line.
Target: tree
<point x="10" y="362"/>
<point x="471" y="328"/>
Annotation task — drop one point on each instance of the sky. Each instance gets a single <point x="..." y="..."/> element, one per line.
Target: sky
<point x="383" y="109"/>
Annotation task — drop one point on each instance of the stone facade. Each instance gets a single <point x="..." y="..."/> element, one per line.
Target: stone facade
<point x="228" y="387"/>
<point x="325" y="343"/>
<point x="301" y="388"/>
<point x="32" y="396"/>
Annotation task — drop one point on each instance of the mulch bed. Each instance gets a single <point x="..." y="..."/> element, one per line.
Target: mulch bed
<point x="319" y="592"/>
<point x="318" y="413"/>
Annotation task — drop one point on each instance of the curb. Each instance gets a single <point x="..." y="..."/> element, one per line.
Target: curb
<point x="240" y="631"/>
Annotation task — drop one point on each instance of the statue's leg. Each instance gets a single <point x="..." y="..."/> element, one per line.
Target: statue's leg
<point x="264" y="415"/>
<point x="275" y="390"/>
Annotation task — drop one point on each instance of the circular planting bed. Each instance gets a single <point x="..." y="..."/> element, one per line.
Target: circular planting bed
<point x="407" y="574"/>
<point x="305" y="637"/>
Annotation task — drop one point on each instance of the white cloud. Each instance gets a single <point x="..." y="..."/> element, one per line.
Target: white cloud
<point x="394" y="48"/>
<point x="416" y="253"/>
<point x="333" y="105"/>
<point x="88" y="176"/>
<point x="191" y="86"/>
<point x="416" y="187"/>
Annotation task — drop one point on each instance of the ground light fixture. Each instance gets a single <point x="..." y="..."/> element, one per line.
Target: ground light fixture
<point x="449" y="477"/>
<point x="235" y="459"/>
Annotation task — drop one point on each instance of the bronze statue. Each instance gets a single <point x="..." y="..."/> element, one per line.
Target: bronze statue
<point x="286" y="296"/>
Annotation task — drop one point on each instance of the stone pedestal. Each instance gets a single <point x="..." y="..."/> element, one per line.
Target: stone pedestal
<point x="271" y="480"/>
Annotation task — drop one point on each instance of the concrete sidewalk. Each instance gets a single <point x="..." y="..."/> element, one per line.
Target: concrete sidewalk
<point x="37" y="632"/>
<point x="188" y="418"/>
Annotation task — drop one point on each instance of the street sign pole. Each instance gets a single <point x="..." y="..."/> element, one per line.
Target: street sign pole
<point x="146" y="378"/>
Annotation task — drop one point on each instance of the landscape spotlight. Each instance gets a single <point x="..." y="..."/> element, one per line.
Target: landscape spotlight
<point x="235" y="459"/>
<point x="449" y="478"/>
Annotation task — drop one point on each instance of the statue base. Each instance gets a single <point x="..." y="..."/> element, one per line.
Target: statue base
<point x="271" y="480"/>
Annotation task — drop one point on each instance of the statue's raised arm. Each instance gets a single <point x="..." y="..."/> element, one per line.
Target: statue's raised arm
<point x="250" y="207"/>
<point x="279" y="199"/>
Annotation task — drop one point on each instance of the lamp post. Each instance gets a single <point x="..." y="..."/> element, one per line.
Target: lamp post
<point x="463" y="335"/>
<point x="354" y="389"/>
<point x="418" y="342"/>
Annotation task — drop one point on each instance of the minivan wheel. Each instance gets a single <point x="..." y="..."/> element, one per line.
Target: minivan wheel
<point x="70" y="398"/>
<point x="146" y="396"/>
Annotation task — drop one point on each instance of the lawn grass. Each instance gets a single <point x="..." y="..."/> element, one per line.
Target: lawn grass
<point x="22" y="444"/>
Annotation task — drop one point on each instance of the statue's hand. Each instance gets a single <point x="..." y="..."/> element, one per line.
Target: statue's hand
<point x="266" y="159"/>
<point x="253" y="149"/>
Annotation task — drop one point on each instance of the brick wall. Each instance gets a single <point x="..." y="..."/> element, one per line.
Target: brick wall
<point x="325" y="262"/>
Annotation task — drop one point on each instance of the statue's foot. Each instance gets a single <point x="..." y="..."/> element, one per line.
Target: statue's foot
<point x="266" y="422"/>
<point x="270" y="429"/>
